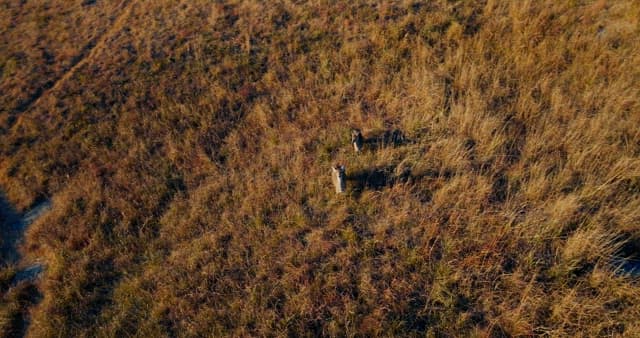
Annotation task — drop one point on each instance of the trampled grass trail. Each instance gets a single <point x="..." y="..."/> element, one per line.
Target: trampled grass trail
<point x="87" y="53"/>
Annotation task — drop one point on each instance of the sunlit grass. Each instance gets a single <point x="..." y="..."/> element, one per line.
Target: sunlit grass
<point x="188" y="160"/>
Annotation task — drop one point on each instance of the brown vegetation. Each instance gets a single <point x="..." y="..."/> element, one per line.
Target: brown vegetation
<point x="186" y="147"/>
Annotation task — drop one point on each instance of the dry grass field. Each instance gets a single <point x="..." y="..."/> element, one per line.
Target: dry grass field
<point x="187" y="145"/>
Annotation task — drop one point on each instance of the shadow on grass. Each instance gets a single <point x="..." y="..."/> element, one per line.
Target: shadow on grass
<point x="627" y="261"/>
<point x="384" y="138"/>
<point x="385" y="177"/>
<point x="17" y="287"/>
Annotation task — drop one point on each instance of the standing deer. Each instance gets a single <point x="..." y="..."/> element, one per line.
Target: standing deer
<point x="377" y="139"/>
<point x="339" y="178"/>
<point x="357" y="140"/>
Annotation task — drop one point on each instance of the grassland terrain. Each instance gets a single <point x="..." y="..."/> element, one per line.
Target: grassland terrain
<point x="186" y="148"/>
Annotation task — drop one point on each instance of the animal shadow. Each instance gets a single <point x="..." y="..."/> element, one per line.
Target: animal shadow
<point x="377" y="178"/>
<point x="377" y="139"/>
<point x="386" y="138"/>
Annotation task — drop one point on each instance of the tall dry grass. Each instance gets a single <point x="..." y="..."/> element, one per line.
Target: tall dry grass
<point x="188" y="162"/>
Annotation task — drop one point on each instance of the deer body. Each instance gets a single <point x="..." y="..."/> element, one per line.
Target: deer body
<point x="377" y="140"/>
<point x="357" y="140"/>
<point x="339" y="178"/>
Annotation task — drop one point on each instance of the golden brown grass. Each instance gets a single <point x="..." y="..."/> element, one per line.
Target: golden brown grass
<point x="187" y="151"/>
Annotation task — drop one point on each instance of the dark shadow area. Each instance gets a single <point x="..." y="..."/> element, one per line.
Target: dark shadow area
<point x="9" y="232"/>
<point x="376" y="179"/>
<point x="13" y="226"/>
<point x="627" y="261"/>
<point x="25" y="294"/>
<point x="497" y="331"/>
<point x="17" y="286"/>
<point x="517" y="132"/>
<point x="433" y="174"/>
<point x="449" y="95"/>
<point x="383" y="177"/>
<point x="630" y="267"/>
<point x="499" y="189"/>
<point x="418" y="320"/>
<point x="30" y="273"/>
<point x="470" y="147"/>
<point x="385" y="138"/>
